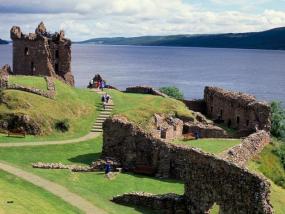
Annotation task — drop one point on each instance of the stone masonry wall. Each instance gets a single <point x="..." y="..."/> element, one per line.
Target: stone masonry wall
<point x="196" y="105"/>
<point x="42" y="54"/>
<point x="145" y="90"/>
<point x="237" y="110"/>
<point x="208" y="179"/>
<point x="249" y="147"/>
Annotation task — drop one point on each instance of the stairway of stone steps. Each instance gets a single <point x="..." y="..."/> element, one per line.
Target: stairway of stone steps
<point x="104" y="114"/>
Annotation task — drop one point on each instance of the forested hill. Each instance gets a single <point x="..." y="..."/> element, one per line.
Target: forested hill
<point x="3" y="42"/>
<point x="271" y="39"/>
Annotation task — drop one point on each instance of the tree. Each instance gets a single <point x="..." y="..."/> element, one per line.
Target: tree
<point x="278" y="120"/>
<point x="172" y="91"/>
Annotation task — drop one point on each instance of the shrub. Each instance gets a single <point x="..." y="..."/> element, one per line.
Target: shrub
<point x="172" y="91"/>
<point x="278" y="120"/>
<point x="62" y="125"/>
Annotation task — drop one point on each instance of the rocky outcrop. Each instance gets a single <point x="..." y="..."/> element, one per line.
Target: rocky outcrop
<point x="237" y="110"/>
<point x="42" y="54"/>
<point x="16" y="121"/>
<point x="249" y="147"/>
<point x="204" y="130"/>
<point x="145" y="90"/>
<point x="208" y="179"/>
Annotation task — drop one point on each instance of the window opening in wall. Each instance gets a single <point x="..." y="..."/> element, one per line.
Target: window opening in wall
<point x="33" y="69"/>
<point x="247" y="122"/>
<point x="26" y="51"/>
<point x="56" y="54"/>
<point x="211" y="109"/>
<point x="56" y="67"/>
<point x="237" y="119"/>
<point x="221" y="114"/>
<point x="229" y="123"/>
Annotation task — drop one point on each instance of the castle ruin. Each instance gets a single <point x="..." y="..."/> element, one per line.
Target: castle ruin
<point x="237" y="110"/>
<point x="42" y="54"/>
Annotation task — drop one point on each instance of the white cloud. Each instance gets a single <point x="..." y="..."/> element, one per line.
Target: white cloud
<point x="97" y="18"/>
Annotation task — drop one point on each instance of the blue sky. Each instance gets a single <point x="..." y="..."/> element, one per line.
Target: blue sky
<point x="84" y="19"/>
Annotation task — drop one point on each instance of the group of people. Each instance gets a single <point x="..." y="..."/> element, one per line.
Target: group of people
<point x="97" y="82"/>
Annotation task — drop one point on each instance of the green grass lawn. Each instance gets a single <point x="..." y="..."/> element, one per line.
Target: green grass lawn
<point x="211" y="145"/>
<point x="28" y="81"/>
<point x="139" y="108"/>
<point x="78" y="106"/>
<point x="28" y="198"/>
<point x="92" y="186"/>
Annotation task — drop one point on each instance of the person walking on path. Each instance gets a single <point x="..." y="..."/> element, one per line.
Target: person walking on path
<point x="103" y="99"/>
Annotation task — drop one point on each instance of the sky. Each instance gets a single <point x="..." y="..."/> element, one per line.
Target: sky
<point x="85" y="19"/>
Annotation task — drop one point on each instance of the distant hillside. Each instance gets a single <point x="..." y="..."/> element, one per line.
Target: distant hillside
<point x="3" y="42"/>
<point x="271" y="39"/>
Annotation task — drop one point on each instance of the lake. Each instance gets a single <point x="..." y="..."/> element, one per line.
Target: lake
<point x="258" y="72"/>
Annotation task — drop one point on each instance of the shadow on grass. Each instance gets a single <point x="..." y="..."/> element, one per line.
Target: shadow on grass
<point x="166" y="180"/>
<point x="85" y="159"/>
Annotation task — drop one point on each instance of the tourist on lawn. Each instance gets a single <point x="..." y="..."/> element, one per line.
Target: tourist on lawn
<point x="102" y="85"/>
<point x="107" y="168"/>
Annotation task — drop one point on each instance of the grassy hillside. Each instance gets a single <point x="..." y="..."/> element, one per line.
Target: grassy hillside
<point x="270" y="39"/>
<point x="215" y="146"/>
<point x="139" y="108"/>
<point x="269" y="164"/>
<point x="77" y="106"/>
<point x="28" y="198"/>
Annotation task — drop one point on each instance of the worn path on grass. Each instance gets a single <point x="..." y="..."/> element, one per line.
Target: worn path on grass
<point x="58" y="190"/>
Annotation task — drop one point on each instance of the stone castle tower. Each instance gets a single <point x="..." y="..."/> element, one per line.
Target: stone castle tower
<point x="42" y="54"/>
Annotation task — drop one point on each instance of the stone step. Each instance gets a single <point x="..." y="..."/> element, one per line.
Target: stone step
<point x="105" y="112"/>
<point x="101" y="120"/>
<point x="102" y="117"/>
<point x="96" y="130"/>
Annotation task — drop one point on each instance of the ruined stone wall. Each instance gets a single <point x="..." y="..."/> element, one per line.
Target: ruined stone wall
<point x="248" y="148"/>
<point x="42" y="54"/>
<point x="4" y="76"/>
<point x="31" y="57"/>
<point x="145" y="90"/>
<point x="128" y="143"/>
<point x="205" y="130"/>
<point x="237" y="110"/>
<point x="167" y="203"/>
<point x="196" y="105"/>
<point x="208" y="179"/>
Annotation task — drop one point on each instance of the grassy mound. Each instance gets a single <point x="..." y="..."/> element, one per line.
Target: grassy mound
<point x="140" y="108"/>
<point x="215" y="146"/>
<point x="29" y="81"/>
<point x="28" y="198"/>
<point x="77" y="106"/>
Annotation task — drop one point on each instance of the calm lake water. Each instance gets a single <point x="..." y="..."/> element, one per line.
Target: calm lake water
<point x="259" y="72"/>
